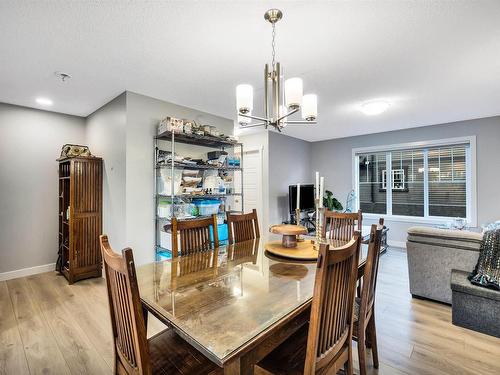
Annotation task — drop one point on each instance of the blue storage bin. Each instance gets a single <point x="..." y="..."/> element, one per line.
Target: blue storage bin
<point x="222" y="233"/>
<point x="163" y="254"/>
<point x="207" y="207"/>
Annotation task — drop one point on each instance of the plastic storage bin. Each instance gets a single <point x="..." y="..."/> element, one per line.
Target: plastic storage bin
<point x="207" y="207"/>
<point x="222" y="234"/>
<point x="164" y="208"/>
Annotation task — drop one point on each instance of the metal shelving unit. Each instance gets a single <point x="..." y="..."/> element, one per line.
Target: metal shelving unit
<point x="195" y="140"/>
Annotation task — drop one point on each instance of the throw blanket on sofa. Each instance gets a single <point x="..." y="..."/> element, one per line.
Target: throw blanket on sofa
<point x="487" y="271"/>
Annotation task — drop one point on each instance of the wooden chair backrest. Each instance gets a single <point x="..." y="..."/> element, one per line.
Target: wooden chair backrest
<point x="242" y="227"/>
<point x="369" y="282"/>
<point x="341" y="225"/>
<point x="127" y="320"/>
<point x="194" y="235"/>
<point x="330" y="326"/>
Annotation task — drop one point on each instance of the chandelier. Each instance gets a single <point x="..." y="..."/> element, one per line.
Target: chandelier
<point x="279" y="104"/>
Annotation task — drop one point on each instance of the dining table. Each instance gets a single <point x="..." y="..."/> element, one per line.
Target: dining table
<point x="235" y="303"/>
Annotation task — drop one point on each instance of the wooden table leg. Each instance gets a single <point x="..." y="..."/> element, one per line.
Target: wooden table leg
<point x="233" y="367"/>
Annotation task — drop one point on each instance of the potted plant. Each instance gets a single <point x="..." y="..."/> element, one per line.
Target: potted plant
<point x="331" y="203"/>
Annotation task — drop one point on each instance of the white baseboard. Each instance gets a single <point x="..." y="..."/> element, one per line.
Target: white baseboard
<point x="27" y="271"/>
<point x="400" y="244"/>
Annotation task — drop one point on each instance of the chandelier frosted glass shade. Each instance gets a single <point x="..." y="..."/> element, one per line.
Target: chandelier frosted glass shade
<point x="309" y="107"/>
<point x="244" y="98"/>
<point x="293" y="92"/>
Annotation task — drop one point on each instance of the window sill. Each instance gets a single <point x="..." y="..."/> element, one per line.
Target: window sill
<point x="413" y="219"/>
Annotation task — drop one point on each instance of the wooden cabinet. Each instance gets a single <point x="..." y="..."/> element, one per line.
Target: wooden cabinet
<point x="80" y="217"/>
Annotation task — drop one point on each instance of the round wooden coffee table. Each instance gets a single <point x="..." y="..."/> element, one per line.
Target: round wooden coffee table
<point x="289" y="232"/>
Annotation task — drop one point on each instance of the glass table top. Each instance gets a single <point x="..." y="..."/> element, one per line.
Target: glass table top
<point x="221" y="299"/>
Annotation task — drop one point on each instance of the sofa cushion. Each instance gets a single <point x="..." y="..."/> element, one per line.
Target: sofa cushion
<point x="464" y="240"/>
<point x="460" y="283"/>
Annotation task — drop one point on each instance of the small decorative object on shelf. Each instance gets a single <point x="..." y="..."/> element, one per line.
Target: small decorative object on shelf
<point x="171" y="124"/>
<point x="70" y="151"/>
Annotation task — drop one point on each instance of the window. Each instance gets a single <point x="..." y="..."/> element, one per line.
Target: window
<point x="426" y="181"/>
<point x="372" y="197"/>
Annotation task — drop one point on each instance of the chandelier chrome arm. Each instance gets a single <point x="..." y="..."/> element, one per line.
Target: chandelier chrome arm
<point x="254" y="117"/>
<point x="299" y="122"/>
<point x="288" y="114"/>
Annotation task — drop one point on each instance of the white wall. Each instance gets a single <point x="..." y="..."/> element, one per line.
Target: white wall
<point x="333" y="158"/>
<point x="30" y="143"/>
<point x="143" y="115"/>
<point x="106" y="137"/>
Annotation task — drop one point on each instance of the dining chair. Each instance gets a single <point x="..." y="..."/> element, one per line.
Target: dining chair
<point x="364" y="331"/>
<point x="341" y="225"/>
<point x="242" y="227"/>
<point x="164" y="353"/>
<point x="194" y="235"/>
<point x="324" y="346"/>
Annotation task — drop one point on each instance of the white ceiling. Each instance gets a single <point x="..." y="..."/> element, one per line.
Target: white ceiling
<point x="438" y="61"/>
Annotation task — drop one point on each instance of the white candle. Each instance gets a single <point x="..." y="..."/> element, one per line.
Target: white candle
<point x="298" y="196"/>
<point x="321" y="190"/>
<point x="316" y="186"/>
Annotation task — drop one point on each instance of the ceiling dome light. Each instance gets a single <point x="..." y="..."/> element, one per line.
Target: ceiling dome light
<point x="44" y="101"/>
<point x="375" y="107"/>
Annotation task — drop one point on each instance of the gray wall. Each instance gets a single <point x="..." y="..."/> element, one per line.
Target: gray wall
<point x="333" y="158"/>
<point x="30" y="143"/>
<point x="106" y="137"/>
<point x="289" y="163"/>
<point x="143" y="115"/>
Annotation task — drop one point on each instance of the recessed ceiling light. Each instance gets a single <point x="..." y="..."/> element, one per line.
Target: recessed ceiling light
<point x="44" y="101"/>
<point x="374" y="107"/>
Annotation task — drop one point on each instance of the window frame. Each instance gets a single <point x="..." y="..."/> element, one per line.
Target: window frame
<point x="470" y="181"/>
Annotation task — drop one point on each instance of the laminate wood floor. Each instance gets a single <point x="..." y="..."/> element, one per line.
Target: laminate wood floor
<point x="50" y="327"/>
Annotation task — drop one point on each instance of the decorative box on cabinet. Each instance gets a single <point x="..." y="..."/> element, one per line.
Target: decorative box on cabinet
<point x="80" y="217"/>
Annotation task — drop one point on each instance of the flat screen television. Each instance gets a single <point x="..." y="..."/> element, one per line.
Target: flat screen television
<point x="306" y="197"/>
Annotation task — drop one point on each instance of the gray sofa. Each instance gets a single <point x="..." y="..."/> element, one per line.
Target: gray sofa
<point x="433" y="253"/>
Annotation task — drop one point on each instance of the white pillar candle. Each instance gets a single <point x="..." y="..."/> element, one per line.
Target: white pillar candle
<point x="298" y="196"/>
<point x="316" y="186"/>
<point x="321" y="190"/>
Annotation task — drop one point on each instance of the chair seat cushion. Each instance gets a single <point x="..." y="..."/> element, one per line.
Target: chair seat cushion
<point x="170" y="354"/>
<point x="290" y="356"/>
